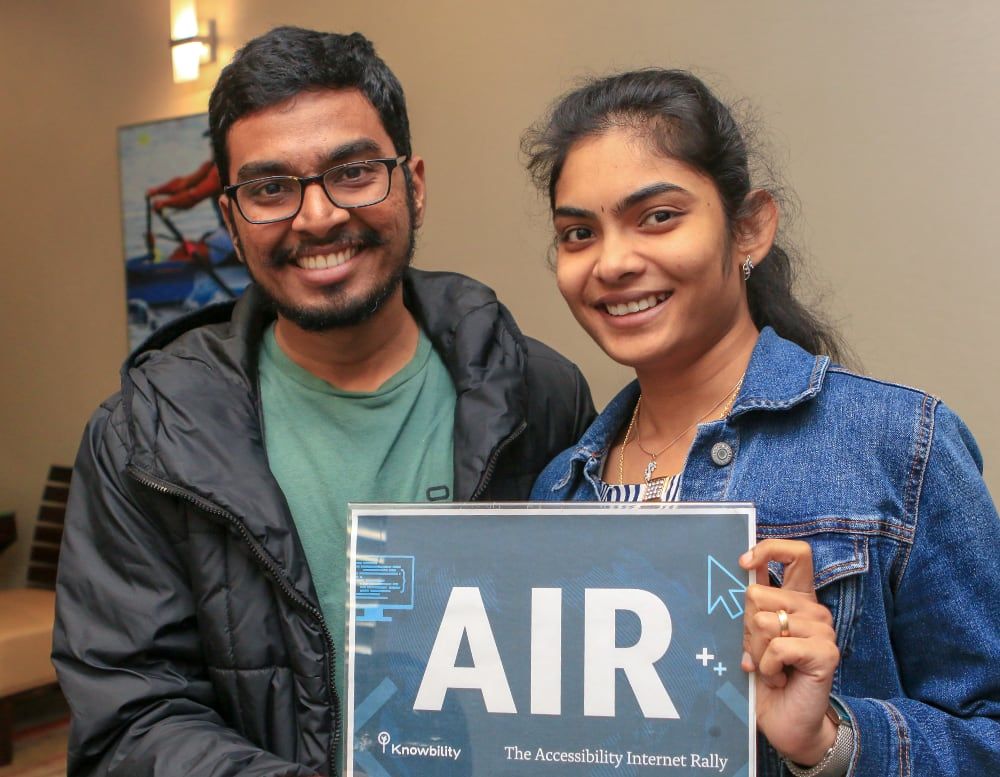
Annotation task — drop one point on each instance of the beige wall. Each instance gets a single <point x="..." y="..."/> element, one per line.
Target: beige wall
<point x="887" y="113"/>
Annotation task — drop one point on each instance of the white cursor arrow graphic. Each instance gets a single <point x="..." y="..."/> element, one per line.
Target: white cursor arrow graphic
<point x="724" y="588"/>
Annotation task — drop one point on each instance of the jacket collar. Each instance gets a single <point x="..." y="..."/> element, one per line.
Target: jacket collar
<point x="780" y="376"/>
<point x="486" y="356"/>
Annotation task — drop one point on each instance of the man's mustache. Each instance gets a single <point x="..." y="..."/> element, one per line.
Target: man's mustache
<point x="338" y="241"/>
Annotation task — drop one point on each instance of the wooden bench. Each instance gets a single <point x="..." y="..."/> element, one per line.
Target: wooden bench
<point x="27" y="614"/>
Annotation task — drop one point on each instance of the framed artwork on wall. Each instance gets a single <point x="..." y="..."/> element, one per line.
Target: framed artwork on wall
<point x="178" y="255"/>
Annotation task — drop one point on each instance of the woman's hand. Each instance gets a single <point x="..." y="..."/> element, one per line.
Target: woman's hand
<point x="794" y="668"/>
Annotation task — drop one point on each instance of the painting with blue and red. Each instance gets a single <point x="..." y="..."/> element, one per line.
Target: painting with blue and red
<point x="178" y="255"/>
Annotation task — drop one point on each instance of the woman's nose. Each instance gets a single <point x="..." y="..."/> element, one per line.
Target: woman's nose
<point x="618" y="259"/>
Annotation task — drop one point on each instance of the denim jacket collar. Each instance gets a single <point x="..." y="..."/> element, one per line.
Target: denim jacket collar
<point x="780" y="376"/>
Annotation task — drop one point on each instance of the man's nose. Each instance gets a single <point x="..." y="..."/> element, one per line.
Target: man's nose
<point x="318" y="213"/>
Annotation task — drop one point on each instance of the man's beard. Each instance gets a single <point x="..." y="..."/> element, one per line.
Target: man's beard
<point x="335" y="317"/>
<point x="337" y="314"/>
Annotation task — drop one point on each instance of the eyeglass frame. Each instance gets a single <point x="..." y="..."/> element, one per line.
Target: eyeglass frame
<point x="391" y="163"/>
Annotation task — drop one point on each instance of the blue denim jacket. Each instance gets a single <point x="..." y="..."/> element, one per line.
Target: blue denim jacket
<point x="885" y="484"/>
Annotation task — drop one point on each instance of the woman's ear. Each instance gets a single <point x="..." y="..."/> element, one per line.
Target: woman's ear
<point x="757" y="229"/>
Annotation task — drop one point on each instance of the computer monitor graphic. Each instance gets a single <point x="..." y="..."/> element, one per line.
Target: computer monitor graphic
<point x="382" y="583"/>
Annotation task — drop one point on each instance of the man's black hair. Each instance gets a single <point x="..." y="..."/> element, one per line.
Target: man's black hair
<point x="288" y="60"/>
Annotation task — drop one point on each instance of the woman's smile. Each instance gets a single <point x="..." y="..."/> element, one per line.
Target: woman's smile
<point x="635" y="305"/>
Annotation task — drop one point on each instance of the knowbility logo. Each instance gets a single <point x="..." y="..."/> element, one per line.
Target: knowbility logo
<point x="416" y="750"/>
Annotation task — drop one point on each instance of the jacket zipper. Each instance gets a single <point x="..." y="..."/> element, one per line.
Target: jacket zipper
<point x="492" y="463"/>
<point x="276" y="576"/>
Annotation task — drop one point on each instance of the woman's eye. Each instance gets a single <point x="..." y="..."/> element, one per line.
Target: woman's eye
<point x="575" y="235"/>
<point x="659" y="217"/>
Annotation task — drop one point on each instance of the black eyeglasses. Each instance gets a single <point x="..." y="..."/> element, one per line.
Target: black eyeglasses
<point x="279" y="197"/>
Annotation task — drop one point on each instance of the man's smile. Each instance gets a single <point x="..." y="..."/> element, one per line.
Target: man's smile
<point x="328" y="254"/>
<point x="326" y="261"/>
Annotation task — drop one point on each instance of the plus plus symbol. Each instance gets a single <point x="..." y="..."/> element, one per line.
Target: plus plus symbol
<point x="719" y="668"/>
<point x="704" y="656"/>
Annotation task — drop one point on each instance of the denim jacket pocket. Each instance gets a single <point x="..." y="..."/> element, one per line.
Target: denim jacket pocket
<point x="840" y="559"/>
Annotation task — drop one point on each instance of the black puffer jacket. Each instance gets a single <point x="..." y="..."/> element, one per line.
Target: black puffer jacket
<point x="188" y="639"/>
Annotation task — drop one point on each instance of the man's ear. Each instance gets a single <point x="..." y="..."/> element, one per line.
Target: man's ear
<point x="228" y="218"/>
<point x="418" y="186"/>
<point x="756" y="231"/>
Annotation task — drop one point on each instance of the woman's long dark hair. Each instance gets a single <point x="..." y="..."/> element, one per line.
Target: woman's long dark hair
<point x="685" y="121"/>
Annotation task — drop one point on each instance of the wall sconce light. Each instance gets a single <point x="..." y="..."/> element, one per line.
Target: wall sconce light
<point x="191" y="44"/>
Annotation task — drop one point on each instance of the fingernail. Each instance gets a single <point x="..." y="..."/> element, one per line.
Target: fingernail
<point x="747" y="661"/>
<point x="746" y="558"/>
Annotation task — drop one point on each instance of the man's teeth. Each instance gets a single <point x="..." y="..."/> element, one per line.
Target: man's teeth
<point x="326" y="261"/>
<point x="635" y="305"/>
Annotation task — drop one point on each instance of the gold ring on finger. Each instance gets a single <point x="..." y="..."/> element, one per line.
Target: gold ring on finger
<point x="783" y="624"/>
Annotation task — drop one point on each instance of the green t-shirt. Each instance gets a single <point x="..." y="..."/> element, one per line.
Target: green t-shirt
<point x="327" y="447"/>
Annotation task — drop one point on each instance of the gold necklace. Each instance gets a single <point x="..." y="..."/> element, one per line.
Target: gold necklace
<point x="651" y="466"/>
<point x="628" y="432"/>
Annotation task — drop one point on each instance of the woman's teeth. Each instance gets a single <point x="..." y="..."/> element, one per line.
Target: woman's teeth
<point x="326" y="261"/>
<point x="635" y="306"/>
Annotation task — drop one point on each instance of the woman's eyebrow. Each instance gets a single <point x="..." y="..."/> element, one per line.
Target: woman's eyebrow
<point x="646" y="191"/>
<point x="662" y="187"/>
<point x="569" y="211"/>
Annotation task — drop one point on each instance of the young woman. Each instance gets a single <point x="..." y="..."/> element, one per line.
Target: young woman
<point x="876" y="642"/>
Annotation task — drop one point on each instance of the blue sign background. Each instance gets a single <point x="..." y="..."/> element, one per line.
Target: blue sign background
<point x="674" y="552"/>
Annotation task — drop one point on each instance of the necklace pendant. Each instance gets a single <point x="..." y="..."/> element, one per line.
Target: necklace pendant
<point x="650" y="469"/>
<point x="654" y="489"/>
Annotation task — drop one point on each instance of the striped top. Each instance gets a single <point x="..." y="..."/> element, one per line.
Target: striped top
<point x="665" y="489"/>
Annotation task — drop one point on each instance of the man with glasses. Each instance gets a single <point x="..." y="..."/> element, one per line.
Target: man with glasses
<point x="202" y="580"/>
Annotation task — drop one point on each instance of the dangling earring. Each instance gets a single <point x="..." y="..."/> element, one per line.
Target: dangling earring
<point x="747" y="267"/>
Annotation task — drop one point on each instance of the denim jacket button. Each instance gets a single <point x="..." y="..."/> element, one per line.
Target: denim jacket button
<point x="722" y="453"/>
